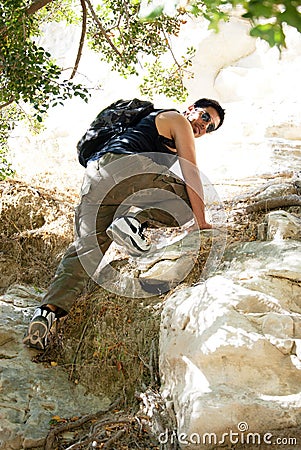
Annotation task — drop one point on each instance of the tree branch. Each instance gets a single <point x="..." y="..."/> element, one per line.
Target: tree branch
<point x="50" y="439"/>
<point x="171" y="50"/>
<point x="9" y="102"/>
<point x="82" y="39"/>
<point x="276" y="202"/>
<point x="33" y="8"/>
<point x="36" y="5"/>
<point x="103" y="31"/>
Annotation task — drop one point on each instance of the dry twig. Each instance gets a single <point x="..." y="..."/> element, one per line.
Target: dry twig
<point x="52" y="435"/>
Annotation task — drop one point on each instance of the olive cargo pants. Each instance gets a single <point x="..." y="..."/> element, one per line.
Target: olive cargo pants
<point x="112" y="186"/>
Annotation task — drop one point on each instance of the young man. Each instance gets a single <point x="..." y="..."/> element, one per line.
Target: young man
<point x="132" y="170"/>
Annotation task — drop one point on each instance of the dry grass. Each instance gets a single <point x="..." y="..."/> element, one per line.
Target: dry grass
<point x="35" y="229"/>
<point x="106" y="343"/>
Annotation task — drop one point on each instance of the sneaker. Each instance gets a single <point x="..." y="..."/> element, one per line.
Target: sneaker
<point x="40" y="324"/>
<point x="128" y="232"/>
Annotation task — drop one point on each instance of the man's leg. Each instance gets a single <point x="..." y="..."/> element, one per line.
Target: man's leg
<point x="117" y="183"/>
<point x="156" y="194"/>
<point x="162" y="200"/>
<point x="79" y="262"/>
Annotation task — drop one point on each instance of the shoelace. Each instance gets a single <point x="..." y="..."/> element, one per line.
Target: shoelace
<point x="139" y="230"/>
<point x="142" y="227"/>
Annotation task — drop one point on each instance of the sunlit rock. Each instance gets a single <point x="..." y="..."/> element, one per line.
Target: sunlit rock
<point x="174" y="258"/>
<point x="276" y="190"/>
<point x="271" y="267"/>
<point x="286" y="130"/>
<point x="281" y="224"/>
<point x="230" y="347"/>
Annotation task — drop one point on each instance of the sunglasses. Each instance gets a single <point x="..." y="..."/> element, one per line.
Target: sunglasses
<point x="207" y="118"/>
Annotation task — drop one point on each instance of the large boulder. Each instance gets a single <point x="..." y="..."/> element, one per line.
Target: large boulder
<point x="31" y="394"/>
<point x="230" y="353"/>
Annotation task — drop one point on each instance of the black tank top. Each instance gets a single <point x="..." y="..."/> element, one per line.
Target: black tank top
<point x="142" y="138"/>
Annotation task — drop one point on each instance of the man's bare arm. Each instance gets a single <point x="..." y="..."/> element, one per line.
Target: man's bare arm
<point x="181" y="131"/>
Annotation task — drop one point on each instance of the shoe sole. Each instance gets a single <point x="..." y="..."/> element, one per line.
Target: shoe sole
<point x="37" y="334"/>
<point x="154" y="286"/>
<point x="120" y="237"/>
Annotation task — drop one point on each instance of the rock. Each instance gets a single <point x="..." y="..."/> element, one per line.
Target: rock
<point x="31" y="394"/>
<point x="230" y="347"/>
<point x="271" y="267"/>
<point x="283" y="225"/>
<point x="173" y="262"/>
<point x="285" y="130"/>
<point x="297" y="181"/>
<point x="164" y="266"/>
<point x="276" y="190"/>
<point x="173" y="271"/>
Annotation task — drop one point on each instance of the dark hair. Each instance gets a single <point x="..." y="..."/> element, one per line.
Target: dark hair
<point x="204" y="102"/>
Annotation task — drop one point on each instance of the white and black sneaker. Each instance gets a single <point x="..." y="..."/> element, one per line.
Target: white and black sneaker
<point x="38" y="329"/>
<point x="128" y="232"/>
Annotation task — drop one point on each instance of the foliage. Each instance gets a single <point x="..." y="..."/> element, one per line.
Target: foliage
<point x="58" y="11"/>
<point x="126" y="37"/>
<point x="266" y="16"/>
<point x="27" y="70"/>
<point x="168" y="80"/>
<point x="280" y="12"/>
<point x="5" y="166"/>
<point x="122" y="35"/>
<point x="28" y="73"/>
<point x="7" y="121"/>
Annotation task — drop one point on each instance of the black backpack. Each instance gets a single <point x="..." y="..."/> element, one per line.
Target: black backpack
<point x="111" y="121"/>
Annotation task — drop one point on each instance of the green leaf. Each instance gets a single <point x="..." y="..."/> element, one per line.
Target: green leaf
<point x="259" y="9"/>
<point x="154" y="14"/>
<point x="291" y="16"/>
<point x="270" y="32"/>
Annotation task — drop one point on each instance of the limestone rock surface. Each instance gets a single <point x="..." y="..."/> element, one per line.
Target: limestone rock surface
<point x="283" y="225"/>
<point x="230" y="355"/>
<point x="166" y="265"/>
<point x="276" y="190"/>
<point x="31" y="394"/>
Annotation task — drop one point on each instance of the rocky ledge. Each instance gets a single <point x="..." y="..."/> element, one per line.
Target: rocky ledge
<point x="230" y="347"/>
<point x="31" y="394"/>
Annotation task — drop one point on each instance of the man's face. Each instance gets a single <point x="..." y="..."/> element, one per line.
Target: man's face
<point x="202" y="120"/>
